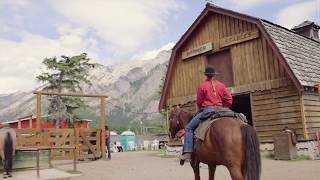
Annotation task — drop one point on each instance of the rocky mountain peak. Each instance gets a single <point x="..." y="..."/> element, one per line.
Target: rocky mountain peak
<point x="132" y="87"/>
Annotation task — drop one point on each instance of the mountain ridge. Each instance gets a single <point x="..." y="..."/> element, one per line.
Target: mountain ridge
<point x="133" y="88"/>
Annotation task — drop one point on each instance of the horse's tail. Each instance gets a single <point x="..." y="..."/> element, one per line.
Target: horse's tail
<point x="8" y="150"/>
<point x="252" y="150"/>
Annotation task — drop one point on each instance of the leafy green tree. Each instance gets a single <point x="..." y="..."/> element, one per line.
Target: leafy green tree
<point x="65" y="74"/>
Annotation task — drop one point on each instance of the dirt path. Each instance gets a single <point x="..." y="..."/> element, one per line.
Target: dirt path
<point x="149" y="165"/>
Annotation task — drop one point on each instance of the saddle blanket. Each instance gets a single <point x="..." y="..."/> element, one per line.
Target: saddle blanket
<point x="201" y="130"/>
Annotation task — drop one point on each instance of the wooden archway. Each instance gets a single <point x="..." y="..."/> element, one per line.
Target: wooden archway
<point x="102" y="112"/>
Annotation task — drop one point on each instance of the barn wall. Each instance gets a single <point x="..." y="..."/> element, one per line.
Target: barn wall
<point x="275" y="109"/>
<point x="312" y="114"/>
<point x="255" y="65"/>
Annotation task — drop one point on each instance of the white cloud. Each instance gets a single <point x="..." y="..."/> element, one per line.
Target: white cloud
<point x="153" y="53"/>
<point x="252" y="3"/>
<point x="11" y="23"/>
<point x="245" y="4"/>
<point x="21" y="61"/>
<point x="297" y="13"/>
<point x="125" y="25"/>
<point x="15" y="3"/>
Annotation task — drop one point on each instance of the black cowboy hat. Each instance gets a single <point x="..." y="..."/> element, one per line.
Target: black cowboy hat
<point x="209" y="70"/>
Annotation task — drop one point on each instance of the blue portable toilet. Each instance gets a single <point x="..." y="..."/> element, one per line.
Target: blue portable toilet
<point x="128" y="140"/>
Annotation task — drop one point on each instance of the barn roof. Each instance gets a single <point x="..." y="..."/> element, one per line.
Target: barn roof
<point x="298" y="55"/>
<point x="301" y="53"/>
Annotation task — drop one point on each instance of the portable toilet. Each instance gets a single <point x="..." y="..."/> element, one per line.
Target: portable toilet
<point x="128" y="140"/>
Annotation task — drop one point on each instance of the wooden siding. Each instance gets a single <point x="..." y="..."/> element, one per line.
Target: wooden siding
<point x="274" y="109"/>
<point x="312" y="114"/>
<point x="254" y="63"/>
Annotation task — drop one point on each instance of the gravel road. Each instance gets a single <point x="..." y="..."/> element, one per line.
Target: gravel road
<point x="151" y="166"/>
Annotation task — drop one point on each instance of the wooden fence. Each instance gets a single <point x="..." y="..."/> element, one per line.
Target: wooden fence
<point x="87" y="141"/>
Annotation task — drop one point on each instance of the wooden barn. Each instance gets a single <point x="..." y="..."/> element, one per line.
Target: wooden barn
<point x="272" y="72"/>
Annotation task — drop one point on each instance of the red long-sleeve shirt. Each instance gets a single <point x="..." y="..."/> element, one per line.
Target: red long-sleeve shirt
<point x="207" y="97"/>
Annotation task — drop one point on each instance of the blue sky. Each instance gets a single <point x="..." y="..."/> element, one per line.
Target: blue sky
<point x="111" y="31"/>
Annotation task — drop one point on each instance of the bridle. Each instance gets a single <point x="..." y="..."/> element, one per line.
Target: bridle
<point x="177" y="114"/>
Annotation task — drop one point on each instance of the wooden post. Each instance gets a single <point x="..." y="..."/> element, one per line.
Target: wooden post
<point x="38" y="120"/>
<point x="102" y="126"/>
<point x="74" y="160"/>
<point x="38" y="163"/>
<point x="253" y="116"/>
<point x="30" y="122"/>
<point x="19" y="123"/>
<point x="49" y="159"/>
<point x="303" y="118"/>
<point x="76" y="144"/>
<point x="167" y="119"/>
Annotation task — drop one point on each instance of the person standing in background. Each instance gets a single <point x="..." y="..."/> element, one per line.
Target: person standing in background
<point x="108" y="141"/>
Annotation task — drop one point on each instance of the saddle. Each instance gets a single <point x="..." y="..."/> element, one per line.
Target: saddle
<point x="211" y="117"/>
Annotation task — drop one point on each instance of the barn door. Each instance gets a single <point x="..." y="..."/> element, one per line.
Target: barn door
<point x="242" y="104"/>
<point x="222" y="63"/>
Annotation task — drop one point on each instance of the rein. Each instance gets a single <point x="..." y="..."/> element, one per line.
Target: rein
<point x="178" y="119"/>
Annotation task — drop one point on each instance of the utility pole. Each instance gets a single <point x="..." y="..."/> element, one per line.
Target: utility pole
<point x="141" y="128"/>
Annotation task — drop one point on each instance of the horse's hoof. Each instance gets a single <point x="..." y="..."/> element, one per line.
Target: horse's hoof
<point x="181" y="162"/>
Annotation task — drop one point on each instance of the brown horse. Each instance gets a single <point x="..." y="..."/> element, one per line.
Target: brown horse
<point x="227" y="142"/>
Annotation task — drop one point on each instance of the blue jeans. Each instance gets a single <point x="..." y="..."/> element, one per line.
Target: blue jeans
<point x="193" y="124"/>
<point x="108" y="148"/>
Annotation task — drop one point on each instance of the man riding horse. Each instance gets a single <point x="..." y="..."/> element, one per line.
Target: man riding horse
<point x="211" y="94"/>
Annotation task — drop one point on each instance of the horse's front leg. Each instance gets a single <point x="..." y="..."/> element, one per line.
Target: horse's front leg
<point x="196" y="169"/>
<point x="5" y="172"/>
<point x="212" y="170"/>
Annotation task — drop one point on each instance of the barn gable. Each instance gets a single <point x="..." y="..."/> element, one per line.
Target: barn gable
<point x="275" y="66"/>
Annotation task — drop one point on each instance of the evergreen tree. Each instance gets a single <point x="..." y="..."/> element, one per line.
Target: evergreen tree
<point x="65" y="75"/>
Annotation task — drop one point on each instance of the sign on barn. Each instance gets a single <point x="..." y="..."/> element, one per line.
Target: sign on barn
<point x="196" y="51"/>
<point x="238" y="38"/>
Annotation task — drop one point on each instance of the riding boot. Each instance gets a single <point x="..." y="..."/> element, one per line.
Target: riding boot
<point x="186" y="157"/>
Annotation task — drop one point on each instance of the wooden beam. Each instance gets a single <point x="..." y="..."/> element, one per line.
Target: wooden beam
<point x="30" y="122"/>
<point x="38" y="118"/>
<point x="167" y="119"/>
<point x="318" y="87"/>
<point x="303" y="118"/>
<point x="181" y="100"/>
<point x="69" y="94"/>
<point x="19" y="124"/>
<point x="102" y="126"/>
<point x="253" y="115"/>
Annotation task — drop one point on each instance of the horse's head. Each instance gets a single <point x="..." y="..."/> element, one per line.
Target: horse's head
<point x="178" y="119"/>
<point x="174" y="122"/>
